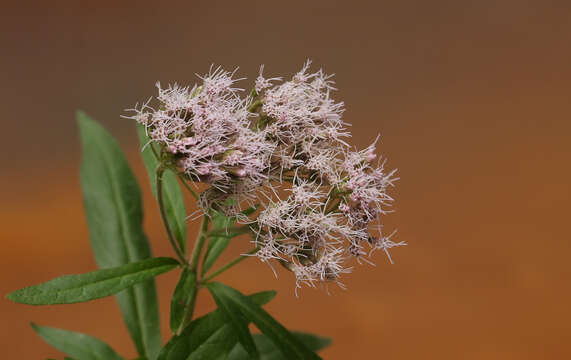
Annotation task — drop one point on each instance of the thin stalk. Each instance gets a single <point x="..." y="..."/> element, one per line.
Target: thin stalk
<point x="192" y="266"/>
<point x="189" y="308"/>
<point x="174" y="244"/>
<point x="229" y="232"/>
<point x="198" y="244"/>
<point x="183" y="181"/>
<point x="229" y="265"/>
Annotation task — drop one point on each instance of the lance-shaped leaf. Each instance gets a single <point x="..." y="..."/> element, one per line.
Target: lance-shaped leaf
<point x="269" y="351"/>
<point x="75" y="344"/>
<point x="183" y="294"/>
<point x="234" y="316"/>
<point x="208" y="337"/>
<point x="173" y="200"/>
<point x="112" y="202"/>
<point x="289" y="346"/>
<point x="70" y="289"/>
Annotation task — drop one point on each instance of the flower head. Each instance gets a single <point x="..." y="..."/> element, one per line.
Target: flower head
<point x="283" y="150"/>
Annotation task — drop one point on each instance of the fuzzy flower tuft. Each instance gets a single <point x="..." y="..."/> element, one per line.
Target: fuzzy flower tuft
<point x="282" y="150"/>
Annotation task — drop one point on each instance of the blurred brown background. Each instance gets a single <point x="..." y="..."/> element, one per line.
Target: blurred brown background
<point x="471" y="99"/>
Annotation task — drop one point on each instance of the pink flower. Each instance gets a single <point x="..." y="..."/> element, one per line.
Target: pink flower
<point x="281" y="148"/>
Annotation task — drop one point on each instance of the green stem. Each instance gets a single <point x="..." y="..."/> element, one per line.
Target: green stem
<point x="192" y="266"/>
<point x="198" y="244"/>
<point x="174" y="244"/>
<point x="183" y="181"/>
<point x="229" y="232"/>
<point x="229" y="265"/>
<point x="189" y="308"/>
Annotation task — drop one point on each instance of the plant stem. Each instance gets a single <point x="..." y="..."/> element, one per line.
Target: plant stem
<point x="229" y="232"/>
<point x="198" y="244"/>
<point x="189" y="308"/>
<point x="174" y="244"/>
<point x="187" y="187"/>
<point x="229" y="265"/>
<point x="192" y="266"/>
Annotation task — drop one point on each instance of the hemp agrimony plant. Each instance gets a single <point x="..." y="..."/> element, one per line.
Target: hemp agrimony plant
<point x="272" y="166"/>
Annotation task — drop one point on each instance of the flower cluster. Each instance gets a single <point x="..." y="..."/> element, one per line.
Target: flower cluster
<point x="281" y="149"/>
<point x="207" y="131"/>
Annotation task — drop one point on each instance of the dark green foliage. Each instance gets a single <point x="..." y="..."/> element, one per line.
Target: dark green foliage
<point x="280" y="336"/>
<point x="113" y="209"/>
<point x="183" y="294"/>
<point x="69" y="289"/>
<point x="78" y="345"/>
<point x="114" y="213"/>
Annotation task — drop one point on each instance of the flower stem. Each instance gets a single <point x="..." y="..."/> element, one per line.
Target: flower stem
<point x="229" y="232"/>
<point x="187" y="187"/>
<point x="174" y="244"/>
<point x="192" y="266"/>
<point x="189" y="308"/>
<point x="230" y="264"/>
<point x="198" y="244"/>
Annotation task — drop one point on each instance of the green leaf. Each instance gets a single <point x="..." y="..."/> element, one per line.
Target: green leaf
<point x="113" y="209"/>
<point x="208" y="337"/>
<point x="69" y="289"/>
<point x="183" y="293"/>
<point x="233" y="315"/>
<point x="263" y="297"/>
<point x="173" y="199"/>
<point x="78" y="345"/>
<point x="290" y="347"/>
<point x="216" y="244"/>
<point x="268" y="351"/>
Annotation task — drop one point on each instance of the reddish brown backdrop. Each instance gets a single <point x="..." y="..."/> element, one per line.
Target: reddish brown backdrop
<point x="471" y="99"/>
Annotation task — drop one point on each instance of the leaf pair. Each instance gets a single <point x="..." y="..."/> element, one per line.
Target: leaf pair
<point x="85" y="287"/>
<point x="238" y="310"/>
<point x="114" y="214"/>
<point x="113" y="209"/>
<point x="213" y="337"/>
<point x="208" y="337"/>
